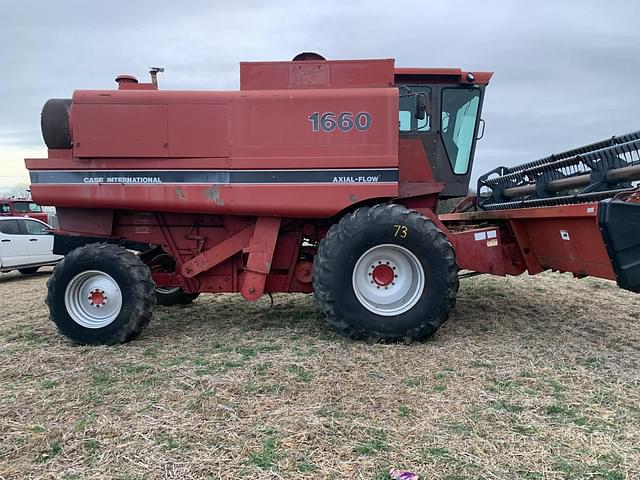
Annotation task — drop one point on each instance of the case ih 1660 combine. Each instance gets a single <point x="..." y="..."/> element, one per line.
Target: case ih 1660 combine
<point x="316" y="176"/>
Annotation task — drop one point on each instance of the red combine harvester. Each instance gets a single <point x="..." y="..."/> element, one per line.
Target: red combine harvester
<point x="316" y="176"/>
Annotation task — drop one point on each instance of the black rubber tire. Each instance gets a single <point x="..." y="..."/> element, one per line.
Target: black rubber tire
<point x="179" y="297"/>
<point x="28" y="270"/>
<point x="133" y="278"/>
<point x="361" y="230"/>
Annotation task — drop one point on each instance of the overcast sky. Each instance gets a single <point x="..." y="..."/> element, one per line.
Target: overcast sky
<point x="565" y="71"/>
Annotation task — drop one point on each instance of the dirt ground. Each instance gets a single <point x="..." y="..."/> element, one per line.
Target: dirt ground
<point x="531" y="378"/>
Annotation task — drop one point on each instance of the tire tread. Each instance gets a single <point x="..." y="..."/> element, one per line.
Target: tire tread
<point x="142" y="289"/>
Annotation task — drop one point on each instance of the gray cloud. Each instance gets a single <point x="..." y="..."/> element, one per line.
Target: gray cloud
<point x="565" y="71"/>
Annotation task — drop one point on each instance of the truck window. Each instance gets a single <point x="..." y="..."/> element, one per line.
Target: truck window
<point x="406" y="119"/>
<point x="5" y="208"/>
<point x="35" y="228"/>
<point x="26" y="207"/>
<point x="10" y="227"/>
<point x="459" y="118"/>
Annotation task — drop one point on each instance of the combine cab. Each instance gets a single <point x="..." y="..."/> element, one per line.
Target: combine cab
<point x="316" y="176"/>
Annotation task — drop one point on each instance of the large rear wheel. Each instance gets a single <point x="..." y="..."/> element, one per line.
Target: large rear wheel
<point x="385" y="273"/>
<point x="100" y="294"/>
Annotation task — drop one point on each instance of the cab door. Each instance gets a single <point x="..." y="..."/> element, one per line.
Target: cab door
<point x="448" y="133"/>
<point x="40" y="241"/>
<point x="14" y="247"/>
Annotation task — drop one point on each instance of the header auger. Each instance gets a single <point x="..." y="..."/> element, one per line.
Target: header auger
<point x="592" y="172"/>
<point x="318" y="176"/>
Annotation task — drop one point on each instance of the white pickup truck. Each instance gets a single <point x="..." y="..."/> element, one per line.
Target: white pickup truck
<point x="25" y="245"/>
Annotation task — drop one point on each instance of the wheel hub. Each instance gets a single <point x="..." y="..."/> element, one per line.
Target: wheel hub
<point x="388" y="279"/>
<point x="383" y="274"/>
<point x="97" y="298"/>
<point x="93" y="299"/>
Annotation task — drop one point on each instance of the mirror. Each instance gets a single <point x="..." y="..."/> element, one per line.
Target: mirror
<point x="480" y="129"/>
<point x="421" y="105"/>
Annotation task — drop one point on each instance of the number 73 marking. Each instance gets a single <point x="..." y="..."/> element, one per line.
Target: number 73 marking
<point x="401" y="231"/>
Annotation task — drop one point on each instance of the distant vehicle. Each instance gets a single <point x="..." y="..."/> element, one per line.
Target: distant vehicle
<point x="21" y="207"/>
<point x="25" y="245"/>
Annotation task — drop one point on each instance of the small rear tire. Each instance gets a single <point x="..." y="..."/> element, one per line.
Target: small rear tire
<point x="101" y="294"/>
<point x="28" y="270"/>
<point x="385" y="273"/>
<point x="174" y="296"/>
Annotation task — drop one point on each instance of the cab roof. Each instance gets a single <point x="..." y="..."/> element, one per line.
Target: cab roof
<point x="314" y="72"/>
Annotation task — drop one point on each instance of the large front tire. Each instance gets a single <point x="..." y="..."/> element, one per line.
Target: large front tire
<point x="101" y="294"/>
<point x="385" y="273"/>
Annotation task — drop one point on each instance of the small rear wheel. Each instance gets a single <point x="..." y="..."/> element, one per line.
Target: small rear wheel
<point x="169" y="296"/>
<point x="100" y="294"/>
<point x="28" y="270"/>
<point x="385" y="273"/>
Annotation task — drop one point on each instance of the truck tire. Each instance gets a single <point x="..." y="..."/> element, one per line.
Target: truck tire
<point x="174" y="296"/>
<point x="385" y="273"/>
<point x="100" y="294"/>
<point x="28" y="270"/>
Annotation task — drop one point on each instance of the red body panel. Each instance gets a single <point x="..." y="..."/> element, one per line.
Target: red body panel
<point x="565" y="238"/>
<point x="316" y="74"/>
<point x="304" y="201"/>
<point x="257" y="124"/>
<point x="442" y="75"/>
<point x="488" y="250"/>
<point x="197" y="132"/>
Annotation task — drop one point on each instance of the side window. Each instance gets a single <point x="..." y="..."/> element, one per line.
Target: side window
<point x="5" y="208"/>
<point x="10" y="227"/>
<point x="35" y="228"/>
<point x="404" y="117"/>
<point x="459" y="118"/>
<point x="406" y="120"/>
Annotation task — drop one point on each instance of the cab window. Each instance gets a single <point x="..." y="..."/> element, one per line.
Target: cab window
<point x="10" y="227"/>
<point x="35" y="228"/>
<point x="5" y="208"/>
<point x="460" y="108"/>
<point x="406" y="115"/>
<point x="27" y="207"/>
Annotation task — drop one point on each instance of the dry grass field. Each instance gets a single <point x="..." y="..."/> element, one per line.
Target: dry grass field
<point x="532" y="378"/>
